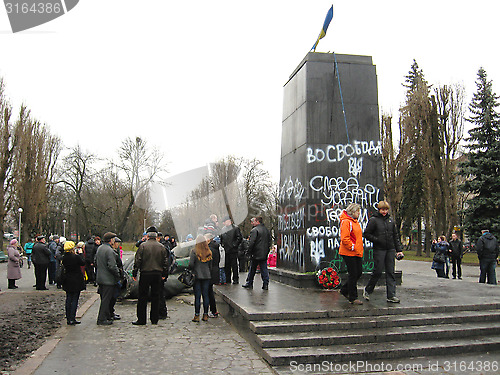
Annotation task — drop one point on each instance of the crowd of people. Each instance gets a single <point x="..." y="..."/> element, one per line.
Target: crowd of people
<point x="220" y="253"/>
<point x="449" y="255"/>
<point x="382" y="232"/>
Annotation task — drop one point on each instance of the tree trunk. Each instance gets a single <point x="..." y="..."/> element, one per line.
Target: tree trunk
<point x="126" y="216"/>
<point x="419" y="236"/>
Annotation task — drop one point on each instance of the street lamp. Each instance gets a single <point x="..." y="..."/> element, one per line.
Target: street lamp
<point x="20" y="210"/>
<point x="64" y="227"/>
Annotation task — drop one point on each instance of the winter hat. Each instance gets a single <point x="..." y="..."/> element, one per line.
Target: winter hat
<point x="62" y="240"/>
<point x="13" y="242"/>
<point x="80" y="244"/>
<point x="69" y="245"/>
<point x="108" y="236"/>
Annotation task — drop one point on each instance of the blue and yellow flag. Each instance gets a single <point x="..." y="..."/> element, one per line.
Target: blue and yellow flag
<point x="328" y="19"/>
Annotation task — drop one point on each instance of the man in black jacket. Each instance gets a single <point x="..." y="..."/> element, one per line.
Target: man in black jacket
<point x="230" y="240"/>
<point x="487" y="252"/>
<point x="457" y="252"/>
<point x="151" y="259"/>
<point x="258" y="249"/>
<point x="41" y="258"/>
<point x="382" y="232"/>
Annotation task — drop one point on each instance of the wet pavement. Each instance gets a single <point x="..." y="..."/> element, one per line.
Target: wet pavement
<point x="420" y="288"/>
<point x="177" y="345"/>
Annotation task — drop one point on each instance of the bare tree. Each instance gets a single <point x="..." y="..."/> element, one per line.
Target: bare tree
<point x="141" y="165"/>
<point x="8" y="142"/>
<point x="75" y="172"/>
<point x="35" y="158"/>
<point x="450" y="102"/>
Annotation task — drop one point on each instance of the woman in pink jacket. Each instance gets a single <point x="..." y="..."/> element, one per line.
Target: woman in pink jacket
<point x="13" y="267"/>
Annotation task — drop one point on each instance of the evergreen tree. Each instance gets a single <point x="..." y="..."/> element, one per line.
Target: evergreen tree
<point x="482" y="166"/>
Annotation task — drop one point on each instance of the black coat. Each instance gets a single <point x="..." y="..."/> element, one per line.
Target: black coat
<point x="40" y="254"/>
<point x="73" y="280"/>
<point x="457" y="249"/>
<point x="231" y="239"/>
<point x="382" y="232"/>
<point x="487" y="247"/>
<point x="214" y="271"/>
<point x="90" y="250"/>
<point x="259" y="243"/>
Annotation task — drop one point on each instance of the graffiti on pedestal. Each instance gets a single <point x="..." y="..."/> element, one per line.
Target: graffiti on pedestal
<point x="309" y="219"/>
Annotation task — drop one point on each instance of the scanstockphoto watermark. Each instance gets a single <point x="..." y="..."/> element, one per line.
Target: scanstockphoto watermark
<point x="367" y="366"/>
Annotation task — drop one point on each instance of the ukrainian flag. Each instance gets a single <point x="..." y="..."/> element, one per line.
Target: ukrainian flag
<point x="328" y="19"/>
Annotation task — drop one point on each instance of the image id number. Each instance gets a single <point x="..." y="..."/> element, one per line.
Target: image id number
<point x="486" y="366"/>
<point x="36" y="8"/>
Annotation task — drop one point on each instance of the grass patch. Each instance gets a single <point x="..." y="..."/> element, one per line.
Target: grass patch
<point x="469" y="258"/>
<point x="129" y="246"/>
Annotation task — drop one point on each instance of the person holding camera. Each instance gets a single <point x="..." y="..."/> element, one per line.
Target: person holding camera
<point x="71" y="278"/>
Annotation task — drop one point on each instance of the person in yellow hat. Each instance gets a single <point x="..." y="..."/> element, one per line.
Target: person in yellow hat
<point x="71" y="278"/>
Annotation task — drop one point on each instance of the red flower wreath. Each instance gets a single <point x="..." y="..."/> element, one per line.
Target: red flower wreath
<point x="328" y="278"/>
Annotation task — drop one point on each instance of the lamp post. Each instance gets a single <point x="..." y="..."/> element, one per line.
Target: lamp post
<point x="64" y="227"/>
<point x="20" y="210"/>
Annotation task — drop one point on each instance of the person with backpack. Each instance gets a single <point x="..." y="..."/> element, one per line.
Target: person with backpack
<point x="28" y="248"/>
<point x="487" y="252"/>
<point x="441" y="249"/>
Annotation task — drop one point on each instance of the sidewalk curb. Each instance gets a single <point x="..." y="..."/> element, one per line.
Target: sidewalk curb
<point x="29" y="366"/>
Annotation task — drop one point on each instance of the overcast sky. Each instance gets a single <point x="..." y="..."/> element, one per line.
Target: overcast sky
<point x="204" y="79"/>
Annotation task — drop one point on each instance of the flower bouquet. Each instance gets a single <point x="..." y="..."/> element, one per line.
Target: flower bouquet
<point x="328" y="278"/>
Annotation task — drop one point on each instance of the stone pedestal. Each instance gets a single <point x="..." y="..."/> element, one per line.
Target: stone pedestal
<point x="330" y="157"/>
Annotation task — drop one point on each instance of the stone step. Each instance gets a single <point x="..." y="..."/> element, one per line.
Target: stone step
<point x="377" y="335"/>
<point x="383" y="350"/>
<point x="360" y="311"/>
<point x="366" y="322"/>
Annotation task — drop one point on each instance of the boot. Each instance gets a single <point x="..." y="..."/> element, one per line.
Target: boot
<point x="196" y="319"/>
<point x="12" y="284"/>
<point x="205" y="317"/>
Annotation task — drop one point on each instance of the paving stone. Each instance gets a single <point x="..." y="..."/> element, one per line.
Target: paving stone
<point x="175" y="345"/>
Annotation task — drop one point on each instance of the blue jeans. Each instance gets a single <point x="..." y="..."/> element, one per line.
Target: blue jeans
<point x="71" y="305"/>
<point x="264" y="273"/>
<point x="487" y="267"/>
<point x="222" y="276"/>
<point x="447" y="267"/>
<point x="200" y="288"/>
